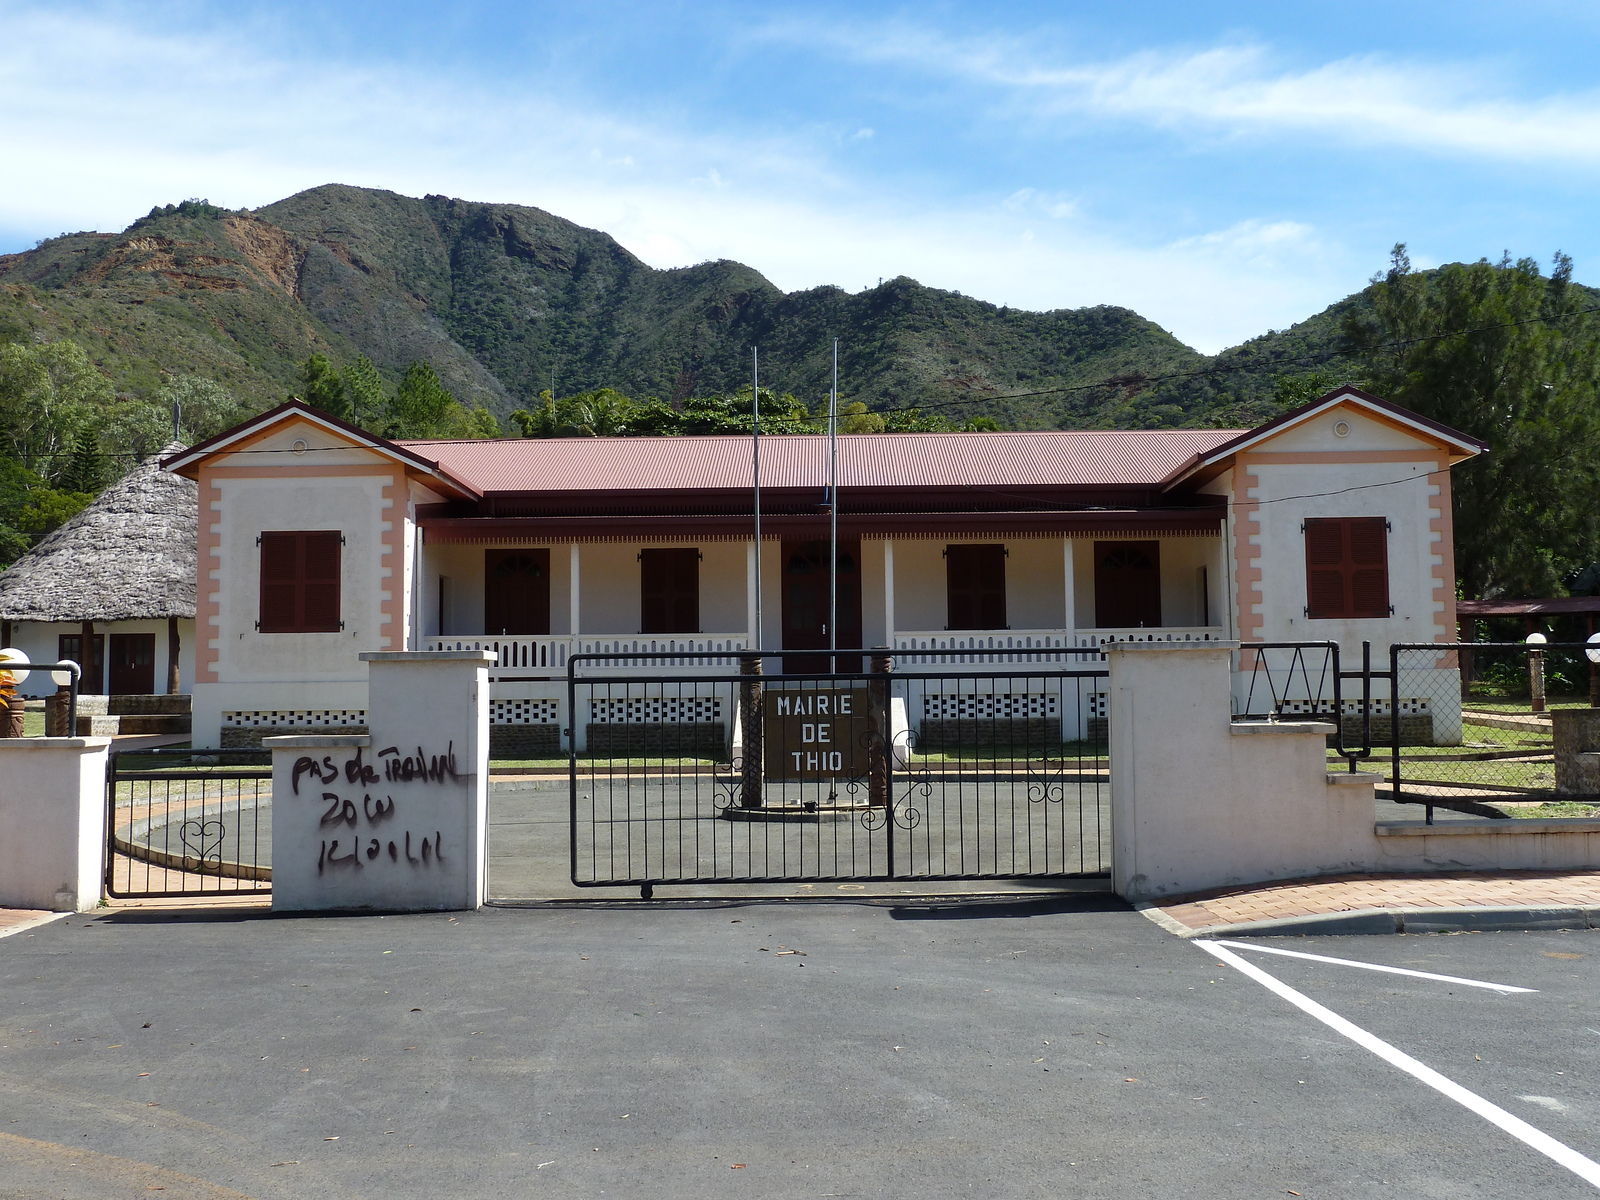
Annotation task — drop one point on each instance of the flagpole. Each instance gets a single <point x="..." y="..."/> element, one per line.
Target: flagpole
<point x="833" y="514"/>
<point x="755" y="464"/>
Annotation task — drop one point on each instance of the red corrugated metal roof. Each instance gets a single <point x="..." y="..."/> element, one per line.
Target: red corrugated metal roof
<point x="1075" y="458"/>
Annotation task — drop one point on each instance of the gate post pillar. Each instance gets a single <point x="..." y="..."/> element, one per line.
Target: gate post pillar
<point x="395" y="820"/>
<point x="752" y="725"/>
<point x="882" y="735"/>
<point x="52" y="822"/>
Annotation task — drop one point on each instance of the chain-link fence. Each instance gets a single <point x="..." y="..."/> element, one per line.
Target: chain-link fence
<point x="1494" y="728"/>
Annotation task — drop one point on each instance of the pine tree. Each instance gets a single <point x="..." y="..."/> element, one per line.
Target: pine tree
<point x="324" y="390"/>
<point x="86" y="467"/>
<point x="422" y="406"/>
<point x="367" y="393"/>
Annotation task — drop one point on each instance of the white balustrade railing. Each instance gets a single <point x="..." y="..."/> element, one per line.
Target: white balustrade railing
<point x="547" y="654"/>
<point x="1062" y="648"/>
<point x="517" y="653"/>
<point x="713" y="645"/>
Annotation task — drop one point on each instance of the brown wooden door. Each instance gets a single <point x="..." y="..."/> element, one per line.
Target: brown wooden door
<point x="69" y="647"/>
<point x="516" y="592"/>
<point x="805" y="603"/>
<point x="669" y="591"/>
<point x="133" y="664"/>
<point x="1127" y="585"/>
<point x="975" y="587"/>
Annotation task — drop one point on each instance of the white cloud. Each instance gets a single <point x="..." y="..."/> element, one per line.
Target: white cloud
<point x="130" y="118"/>
<point x="1364" y="100"/>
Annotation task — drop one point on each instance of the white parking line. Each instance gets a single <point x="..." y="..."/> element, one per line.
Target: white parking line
<point x="1585" y="1168"/>
<point x="1366" y="966"/>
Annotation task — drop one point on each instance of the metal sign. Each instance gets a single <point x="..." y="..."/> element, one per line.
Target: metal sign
<point x="821" y="733"/>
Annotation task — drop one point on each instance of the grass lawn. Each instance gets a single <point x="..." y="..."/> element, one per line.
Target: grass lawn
<point x="1555" y="808"/>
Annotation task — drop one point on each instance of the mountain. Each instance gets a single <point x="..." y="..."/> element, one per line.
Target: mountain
<point x="499" y="296"/>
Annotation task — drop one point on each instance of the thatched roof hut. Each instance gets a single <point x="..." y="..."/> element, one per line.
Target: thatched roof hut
<point x="129" y="556"/>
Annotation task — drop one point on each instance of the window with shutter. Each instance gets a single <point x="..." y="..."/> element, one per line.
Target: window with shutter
<point x="975" y="587"/>
<point x="669" y="591"/>
<point x="1347" y="567"/>
<point x="300" y="581"/>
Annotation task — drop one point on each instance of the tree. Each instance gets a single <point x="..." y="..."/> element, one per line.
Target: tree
<point x="543" y="421"/>
<point x="1499" y="351"/>
<point x="142" y="427"/>
<point x="424" y="408"/>
<point x="854" y="418"/>
<point x="367" y="394"/>
<point x="323" y="389"/>
<point x="46" y="392"/>
<point x="421" y="406"/>
<point x="86" y="470"/>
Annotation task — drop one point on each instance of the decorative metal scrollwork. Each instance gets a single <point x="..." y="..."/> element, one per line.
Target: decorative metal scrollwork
<point x="1043" y="789"/>
<point x="201" y="841"/>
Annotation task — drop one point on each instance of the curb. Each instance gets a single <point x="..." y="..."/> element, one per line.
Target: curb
<point x="1474" y="919"/>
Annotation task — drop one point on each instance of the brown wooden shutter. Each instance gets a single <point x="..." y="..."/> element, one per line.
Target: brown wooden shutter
<point x="1369" y="566"/>
<point x="669" y="591"/>
<point x="975" y="587"/>
<point x="280" y="582"/>
<point x="1347" y="567"/>
<point x="320" y="594"/>
<point x="300" y="581"/>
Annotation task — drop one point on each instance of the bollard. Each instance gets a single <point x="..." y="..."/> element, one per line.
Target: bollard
<point x="1536" y="681"/>
<point x="883" y="733"/>
<point x="752" y="719"/>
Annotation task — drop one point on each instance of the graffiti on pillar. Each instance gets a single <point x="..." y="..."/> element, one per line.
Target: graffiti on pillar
<point x="360" y="820"/>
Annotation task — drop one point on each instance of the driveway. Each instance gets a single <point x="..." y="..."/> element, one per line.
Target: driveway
<point x="1007" y="1049"/>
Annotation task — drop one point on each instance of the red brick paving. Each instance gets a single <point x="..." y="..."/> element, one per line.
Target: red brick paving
<point x="1353" y="893"/>
<point x="10" y="918"/>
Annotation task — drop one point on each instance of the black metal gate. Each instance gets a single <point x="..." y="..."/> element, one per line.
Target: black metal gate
<point x="188" y="823"/>
<point x="978" y="771"/>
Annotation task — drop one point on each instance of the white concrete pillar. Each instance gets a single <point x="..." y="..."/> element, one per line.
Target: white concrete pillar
<point x="1070" y="584"/>
<point x="888" y="592"/>
<point x="52" y="822"/>
<point x="573" y="590"/>
<point x="752" y="566"/>
<point x="395" y="820"/>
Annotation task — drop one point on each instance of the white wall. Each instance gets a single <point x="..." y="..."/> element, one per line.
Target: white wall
<point x="1036" y="583"/>
<point x="38" y="641"/>
<point x="1400" y="492"/>
<point x="52" y="822"/>
<point x="1198" y="802"/>
<point x="352" y="505"/>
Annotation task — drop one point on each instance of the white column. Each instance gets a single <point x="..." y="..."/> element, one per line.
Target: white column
<point x="1069" y="582"/>
<point x="888" y="592"/>
<point x="752" y="564"/>
<point x="572" y="602"/>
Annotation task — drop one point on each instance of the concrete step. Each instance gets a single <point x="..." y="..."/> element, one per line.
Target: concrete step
<point x="159" y="705"/>
<point x="162" y="723"/>
<point x="95" y="725"/>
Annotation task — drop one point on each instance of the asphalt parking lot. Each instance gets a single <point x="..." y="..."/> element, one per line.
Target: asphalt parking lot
<point x="1010" y="1049"/>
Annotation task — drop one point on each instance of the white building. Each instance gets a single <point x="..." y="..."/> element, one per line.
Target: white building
<point x="318" y="541"/>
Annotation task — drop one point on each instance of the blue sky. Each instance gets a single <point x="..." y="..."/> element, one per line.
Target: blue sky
<point x="1221" y="168"/>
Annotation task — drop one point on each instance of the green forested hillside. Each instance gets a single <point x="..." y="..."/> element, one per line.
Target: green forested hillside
<point x="441" y="317"/>
<point x="497" y="297"/>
